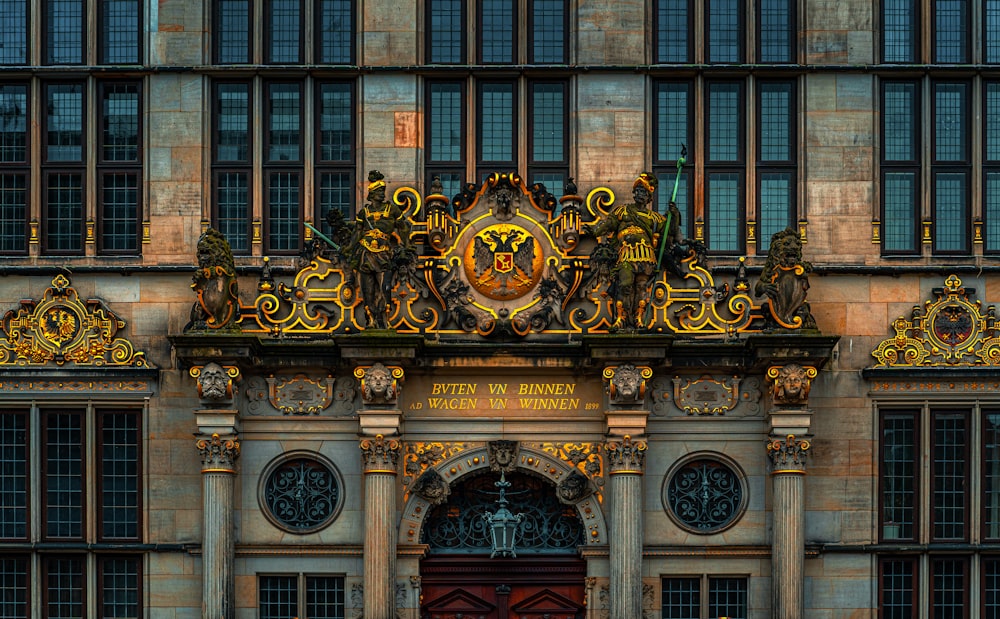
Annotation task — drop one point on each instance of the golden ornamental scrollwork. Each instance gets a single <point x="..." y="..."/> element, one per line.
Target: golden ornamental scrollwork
<point x="418" y="457"/>
<point x="626" y="456"/>
<point x="788" y="455"/>
<point x="60" y="328"/>
<point x="953" y="329"/>
<point x="584" y="457"/>
<point x="218" y="454"/>
<point x="300" y="394"/>
<point x="706" y="395"/>
<point x="379" y="454"/>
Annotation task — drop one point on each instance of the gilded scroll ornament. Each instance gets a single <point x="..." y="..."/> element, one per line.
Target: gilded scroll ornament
<point x="585" y="458"/>
<point x="952" y="329"/>
<point x="218" y="454"/>
<point x="380" y="455"/>
<point x="790" y="384"/>
<point x="626" y="384"/>
<point x="60" y="328"/>
<point x="788" y="454"/>
<point x="380" y="384"/>
<point x="215" y="382"/>
<point x="707" y="395"/>
<point x="626" y="456"/>
<point x="419" y="457"/>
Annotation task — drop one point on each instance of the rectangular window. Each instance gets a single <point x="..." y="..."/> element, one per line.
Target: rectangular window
<point x="949" y="580"/>
<point x="495" y="112"/>
<point x="316" y="597"/>
<point x="445" y="130"/>
<point x="705" y="596"/>
<point x="335" y="151"/>
<point x="14" y="168"/>
<point x="776" y="31"/>
<point x="62" y="474"/>
<point x="232" y="208"/>
<point x="897" y="587"/>
<point x="232" y="149"/>
<point x="899" y="167"/>
<point x="283" y="31"/>
<point x="497" y="44"/>
<point x="776" y="178"/>
<point x="14" y="584"/>
<point x="120" y="27"/>
<point x="724" y="174"/>
<point x="900" y="31"/>
<point x="119" y="163"/>
<point x="991" y="31"/>
<point x="951" y="29"/>
<point x="899" y="476"/>
<point x="951" y="170"/>
<point x="674" y="24"/>
<point x="991" y="167"/>
<point x="672" y="126"/>
<point x="681" y="598"/>
<point x="13" y="477"/>
<point x="118" y="483"/>
<point x="232" y="31"/>
<point x="950" y="448"/>
<point x="64" y="158"/>
<point x="14" y="38"/>
<point x="548" y="27"/>
<point x="724" y="31"/>
<point x="335" y="31"/>
<point x="283" y="190"/>
<point x="991" y="474"/>
<point x="63" y="213"/>
<point x="446" y="31"/>
<point x="64" y="31"/>
<point x="548" y="146"/>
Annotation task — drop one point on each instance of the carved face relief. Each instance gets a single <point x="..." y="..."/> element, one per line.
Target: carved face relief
<point x="377" y="386"/>
<point x="573" y="488"/>
<point x="627" y="384"/>
<point x="432" y="487"/>
<point x="213" y="383"/>
<point x="503" y="455"/>
<point x="791" y="386"/>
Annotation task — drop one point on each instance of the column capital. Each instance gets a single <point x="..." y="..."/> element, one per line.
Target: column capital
<point x="626" y="456"/>
<point x="218" y="454"/>
<point x="380" y="455"/>
<point x="788" y="455"/>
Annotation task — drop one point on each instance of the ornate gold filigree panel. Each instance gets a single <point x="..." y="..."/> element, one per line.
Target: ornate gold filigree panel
<point x="950" y="330"/>
<point x="62" y="328"/>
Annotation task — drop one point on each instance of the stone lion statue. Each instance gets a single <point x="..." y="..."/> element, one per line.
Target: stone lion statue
<point x="784" y="281"/>
<point x="217" y="307"/>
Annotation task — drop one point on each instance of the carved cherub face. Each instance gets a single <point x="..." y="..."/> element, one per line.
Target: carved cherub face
<point x="214" y="382"/>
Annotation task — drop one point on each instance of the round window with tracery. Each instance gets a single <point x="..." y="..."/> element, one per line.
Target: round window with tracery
<point x="705" y="495"/>
<point x="301" y="493"/>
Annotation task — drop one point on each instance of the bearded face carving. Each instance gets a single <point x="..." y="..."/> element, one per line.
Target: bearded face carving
<point x="503" y="455"/>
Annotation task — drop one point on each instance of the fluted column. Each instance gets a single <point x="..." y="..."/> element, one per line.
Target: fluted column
<point x="788" y="548"/>
<point x="626" y="460"/>
<point x="218" y="456"/>
<point x="380" y="456"/>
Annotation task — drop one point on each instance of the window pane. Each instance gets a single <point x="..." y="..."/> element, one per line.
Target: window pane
<point x="554" y="182"/>
<point x="335" y="192"/>
<point x="336" y="23"/>
<point x="64" y="213"/>
<point x="662" y="197"/>
<point x="951" y="212"/>
<point x="120" y="31"/>
<point x="722" y="215"/>
<point x="120" y="588"/>
<point x="991" y="51"/>
<point x="673" y="109"/>
<point x="120" y="130"/>
<point x="727" y="597"/>
<point x="445" y="132"/>
<point x="336" y="142"/>
<point x="451" y="181"/>
<point x="284" y="24"/>
<point x="496" y="113"/>
<point x="548" y="31"/>
<point x="681" y="598"/>
<point x="898" y="476"/>
<point x="672" y="31"/>
<point x="232" y="31"/>
<point x="548" y="109"/>
<point x="991" y="119"/>
<point x="233" y="203"/>
<point x="991" y="474"/>
<point x="13" y="123"/>
<point x="899" y="30"/>
<point x="776" y="118"/>
<point x="13" y="213"/>
<point x="951" y="134"/>
<point x="777" y="191"/>
<point x="949" y="589"/>
<point x="13" y="476"/>
<point x="951" y="29"/>
<point x="899" y="223"/>
<point x="120" y="475"/>
<point x="283" y="211"/>
<point x="897" y="596"/>
<point x="278" y="597"/>
<point x="991" y="589"/>
<point x="724" y="31"/>
<point x="949" y="476"/>
<point x="724" y="111"/>
<point x="446" y="32"/>
<point x="775" y="31"/>
<point x="63" y="469"/>
<point x="991" y="210"/>
<point x="14" y="39"/>
<point x="63" y="589"/>
<point x="496" y="28"/>
<point x="232" y="122"/>
<point x="64" y="122"/>
<point x="14" y="584"/>
<point x="119" y="212"/>
<point x="63" y="31"/>
<point x="324" y="597"/>
<point x="899" y="115"/>
<point x="284" y="134"/>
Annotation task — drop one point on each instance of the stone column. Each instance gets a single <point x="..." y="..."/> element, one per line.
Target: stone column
<point x="626" y="460"/>
<point x="380" y="457"/>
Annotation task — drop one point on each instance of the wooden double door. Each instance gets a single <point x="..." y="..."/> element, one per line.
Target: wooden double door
<point x="477" y="587"/>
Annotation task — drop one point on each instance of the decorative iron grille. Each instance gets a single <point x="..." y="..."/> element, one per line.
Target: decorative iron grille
<point x="705" y="496"/>
<point x="302" y="495"/>
<point x="458" y="525"/>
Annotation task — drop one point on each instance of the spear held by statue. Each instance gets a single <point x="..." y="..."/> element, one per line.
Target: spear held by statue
<point x="673" y="198"/>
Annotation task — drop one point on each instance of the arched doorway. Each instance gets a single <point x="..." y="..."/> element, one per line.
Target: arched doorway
<point x="460" y="580"/>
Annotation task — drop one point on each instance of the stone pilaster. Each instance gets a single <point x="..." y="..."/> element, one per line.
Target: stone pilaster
<point x="218" y="458"/>
<point x="788" y="469"/>
<point x="380" y="457"/>
<point x="626" y="461"/>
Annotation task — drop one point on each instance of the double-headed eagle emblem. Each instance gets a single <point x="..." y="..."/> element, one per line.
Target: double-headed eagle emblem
<point x="504" y="261"/>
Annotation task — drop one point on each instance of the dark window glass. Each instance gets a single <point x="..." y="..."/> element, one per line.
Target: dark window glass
<point x="119" y="212"/>
<point x="723" y="217"/>
<point x="951" y="186"/>
<point x="14" y="38"/>
<point x="725" y="126"/>
<point x="991" y="588"/>
<point x="13" y="123"/>
<point x="120" y="122"/>
<point x="951" y="130"/>
<point x="991" y="173"/>
<point x="548" y="31"/>
<point x="681" y="598"/>
<point x="705" y="496"/>
<point x="951" y="31"/>
<point x="232" y="121"/>
<point x="948" y="588"/>
<point x="776" y="30"/>
<point x="727" y="597"/>
<point x="496" y="31"/>
<point x="548" y="114"/>
<point x="335" y="36"/>
<point x="776" y="204"/>
<point x="14" y="584"/>
<point x="900" y="30"/>
<point x="63" y="475"/>
<point x="991" y="474"/>
<point x="951" y="212"/>
<point x="64" y="123"/>
<point x="232" y="31"/>
<point x="445" y="132"/>
<point x="673" y="27"/>
<point x="991" y="31"/>
<point x="119" y="482"/>
<point x="724" y="20"/>
<point x="284" y="113"/>
<point x="496" y="122"/>
<point x="302" y="495"/>
<point x="899" y="213"/>
<point x="232" y="202"/>
<point x="64" y="213"/>
<point x="284" y="31"/>
<point x="324" y="597"/>
<point x="900" y="178"/>
<point x="336" y="113"/>
<point x="446" y="31"/>
<point x="776" y="143"/>
<point x="672" y="128"/>
<point x="777" y="121"/>
<point x="900" y="117"/>
<point x="64" y="587"/>
<point x="991" y="120"/>
<point x="119" y="588"/>
<point x="13" y="213"/>
<point x="897" y="592"/>
<point x="283" y="211"/>
<point x="120" y="31"/>
<point x="64" y="31"/>
<point x="899" y="476"/>
<point x="991" y="210"/>
<point x="950" y="470"/>
<point x="278" y="597"/>
<point x="336" y="192"/>
<point x="13" y="476"/>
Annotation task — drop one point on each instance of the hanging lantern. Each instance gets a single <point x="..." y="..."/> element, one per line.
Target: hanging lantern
<point x="504" y="526"/>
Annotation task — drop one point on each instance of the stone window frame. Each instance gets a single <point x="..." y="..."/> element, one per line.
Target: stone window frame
<point x="275" y="464"/>
<point x="301" y="587"/>
<point x="720" y="459"/>
<point x="704" y="590"/>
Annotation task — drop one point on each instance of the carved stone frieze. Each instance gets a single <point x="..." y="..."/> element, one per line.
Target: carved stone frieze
<point x="790" y="384"/>
<point x="218" y="454"/>
<point x="380" y="384"/>
<point x="380" y="455"/>
<point x="503" y="455"/>
<point x="788" y="454"/>
<point x="585" y="458"/>
<point x="626" y="384"/>
<point x="431" y="487"/>
<point x="215" y="382"/>
<point x="418" y="457"/>
<point x="626" y="456"/>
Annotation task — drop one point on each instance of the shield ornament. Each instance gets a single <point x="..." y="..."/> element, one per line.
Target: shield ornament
<point x="503" y="261"/>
